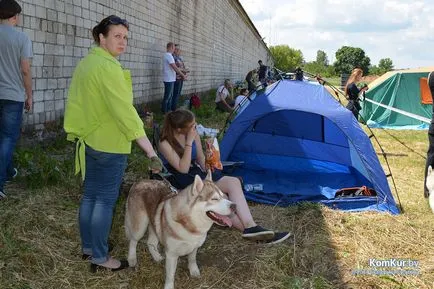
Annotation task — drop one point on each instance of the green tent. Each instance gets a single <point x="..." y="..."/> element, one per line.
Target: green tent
<point x="403" y="92"/>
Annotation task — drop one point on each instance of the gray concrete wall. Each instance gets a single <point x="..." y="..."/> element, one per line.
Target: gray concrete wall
<point x="217" y="38"/>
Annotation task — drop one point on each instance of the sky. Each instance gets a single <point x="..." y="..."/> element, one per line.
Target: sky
<point x="400" y="30"/>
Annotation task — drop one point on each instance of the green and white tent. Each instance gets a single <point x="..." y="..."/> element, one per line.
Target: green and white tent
<point x="399" y="99"/>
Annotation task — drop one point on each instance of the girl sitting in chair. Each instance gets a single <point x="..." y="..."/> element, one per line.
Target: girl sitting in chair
<point x="181" y="148"/>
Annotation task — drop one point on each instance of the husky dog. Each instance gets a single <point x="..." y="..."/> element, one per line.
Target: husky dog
<point x="180" y="224"/>
<point x="430" y="186"/>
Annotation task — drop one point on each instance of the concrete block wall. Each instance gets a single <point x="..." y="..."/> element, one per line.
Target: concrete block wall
<point x="217" y="38"/>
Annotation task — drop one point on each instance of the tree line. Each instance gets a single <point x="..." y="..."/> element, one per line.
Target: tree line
<point x="347" y="58"/>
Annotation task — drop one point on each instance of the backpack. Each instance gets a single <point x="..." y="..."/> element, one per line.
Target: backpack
<point x="194" y="101"/>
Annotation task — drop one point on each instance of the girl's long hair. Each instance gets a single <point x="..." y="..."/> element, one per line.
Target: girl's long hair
<point x="354" y="74"/>
<point x="174" y="120"/>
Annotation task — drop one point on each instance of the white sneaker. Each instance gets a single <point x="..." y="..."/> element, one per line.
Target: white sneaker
<point x="2" y="195"/>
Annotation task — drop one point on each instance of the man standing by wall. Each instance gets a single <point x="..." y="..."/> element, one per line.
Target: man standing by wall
<point x="179" y="80"/>
<point x="169" y="77"/>
<point x="15" y="84"/>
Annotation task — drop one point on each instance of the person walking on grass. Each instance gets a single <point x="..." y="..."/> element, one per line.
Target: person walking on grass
<point x="15" y="86"/>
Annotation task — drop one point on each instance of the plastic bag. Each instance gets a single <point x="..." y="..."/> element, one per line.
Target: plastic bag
<point x="212" y="154"/>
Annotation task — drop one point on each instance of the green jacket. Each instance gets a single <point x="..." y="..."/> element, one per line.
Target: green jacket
<point x="99" y="110"/>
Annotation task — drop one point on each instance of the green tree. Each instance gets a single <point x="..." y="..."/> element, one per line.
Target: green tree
<point x="321" y="58"/>
<point x="314" y="67"/>
<point x="347" y="58"/>
<point x="320" y="65"/>
<point x="375" y="70"/>
<point x="286" y="58"/>
<point x="385" y="64"/>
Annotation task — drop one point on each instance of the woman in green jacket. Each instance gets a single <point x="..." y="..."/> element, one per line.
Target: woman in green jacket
<point x="101" y="118"/>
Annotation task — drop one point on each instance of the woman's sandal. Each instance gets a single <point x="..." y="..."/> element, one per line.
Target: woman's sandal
<point x="96" y="267"/>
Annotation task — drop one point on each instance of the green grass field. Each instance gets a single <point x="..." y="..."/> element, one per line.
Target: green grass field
<point x="39" y="240"/>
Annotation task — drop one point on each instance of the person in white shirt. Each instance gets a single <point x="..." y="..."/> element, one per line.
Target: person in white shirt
<point x="169" y="76"/>
<point x="244" y="92"/>
<point x="223" y="99"/>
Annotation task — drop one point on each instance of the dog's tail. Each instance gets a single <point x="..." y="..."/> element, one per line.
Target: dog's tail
<point x="127" y="221"/>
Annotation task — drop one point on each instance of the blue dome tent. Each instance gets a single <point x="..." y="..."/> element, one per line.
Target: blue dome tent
<point x="301" y="144"/>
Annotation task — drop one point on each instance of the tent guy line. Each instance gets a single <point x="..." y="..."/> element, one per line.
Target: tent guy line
<point x="412" y="115"/>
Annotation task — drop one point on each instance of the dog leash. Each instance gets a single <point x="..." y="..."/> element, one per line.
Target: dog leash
<point x="162" y="177"/>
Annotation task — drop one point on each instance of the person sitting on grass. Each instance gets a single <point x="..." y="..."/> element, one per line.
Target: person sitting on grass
<point x="223" y="100"/>
<point x="182" y="153"/>
<point x="243" y="94"/>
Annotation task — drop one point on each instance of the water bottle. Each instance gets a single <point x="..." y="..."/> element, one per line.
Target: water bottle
<point x="253" y="187"/>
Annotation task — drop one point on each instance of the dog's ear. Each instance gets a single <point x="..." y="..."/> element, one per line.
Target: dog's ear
<point x="429" y="170"/>
<point x="197" y="185"/>
<point x="209" y="175"/>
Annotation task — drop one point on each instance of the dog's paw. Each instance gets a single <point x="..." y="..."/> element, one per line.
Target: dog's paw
<point x="157" y="257"/>
<point x="132" y="262"/>
<point x="194" y="271"/>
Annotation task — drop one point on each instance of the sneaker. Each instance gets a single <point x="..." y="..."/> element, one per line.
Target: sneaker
<point x="12" y="175"/>
<point x="258" y="233"/>
<point x="2" y="195"/>
<point x="279" y="237"/>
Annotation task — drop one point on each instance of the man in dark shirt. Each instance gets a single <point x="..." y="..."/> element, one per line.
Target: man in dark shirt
<point x="262" y="72"/>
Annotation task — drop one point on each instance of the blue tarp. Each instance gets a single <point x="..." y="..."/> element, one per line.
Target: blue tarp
<point x="302" y="145"/>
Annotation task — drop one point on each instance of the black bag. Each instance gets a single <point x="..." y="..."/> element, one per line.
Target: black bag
<point x="362" y="191"/>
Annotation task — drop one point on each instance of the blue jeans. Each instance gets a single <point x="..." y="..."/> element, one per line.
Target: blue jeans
<point x="102" y="182"/>
<point x="176" y="93"/>
<point x="168" y="95"/>
<point x="11" y="116"/>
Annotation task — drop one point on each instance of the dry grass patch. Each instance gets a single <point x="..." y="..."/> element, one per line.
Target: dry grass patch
<point x="39" y="240"/>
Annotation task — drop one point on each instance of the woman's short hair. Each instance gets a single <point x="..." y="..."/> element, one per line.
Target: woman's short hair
<point x="104" y="26"/>
<point x="9" y="8"/>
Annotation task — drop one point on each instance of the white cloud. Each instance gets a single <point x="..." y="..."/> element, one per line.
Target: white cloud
<point x="398" y="29"/>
